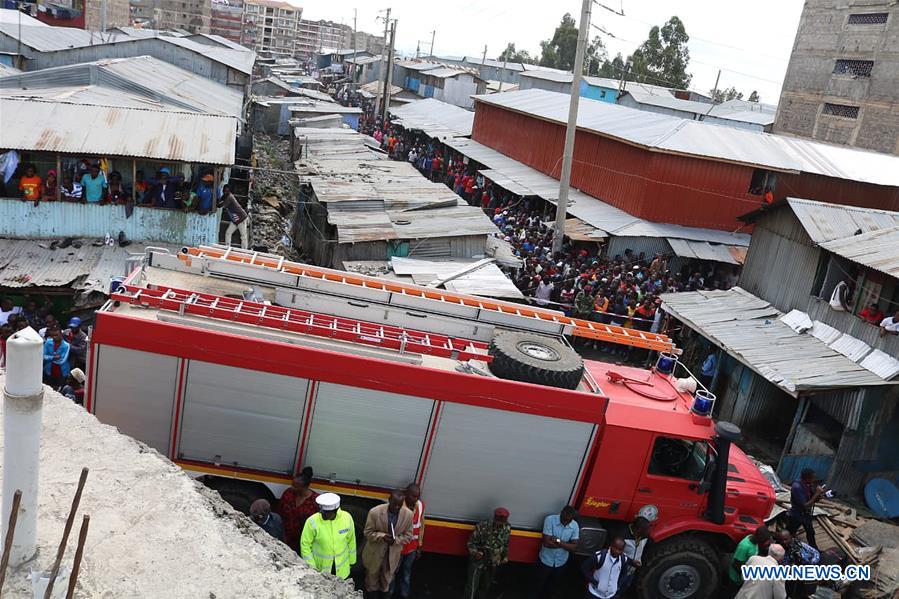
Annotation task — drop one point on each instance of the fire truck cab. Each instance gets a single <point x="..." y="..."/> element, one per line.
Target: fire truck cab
<point x="243" y="368"/>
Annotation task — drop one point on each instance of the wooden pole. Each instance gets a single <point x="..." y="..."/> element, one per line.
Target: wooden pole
<point x="65" y="534"/>
<point x="79" y="552"/>
<point x="10" y="533"/>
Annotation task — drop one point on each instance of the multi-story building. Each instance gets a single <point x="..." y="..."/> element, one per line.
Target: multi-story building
<point x="188" y="15"/>
<point x="271" y="26"/>
<point x="316" y="35"/>
<point x="84" y="14"/>
<point x="227" y="18"/>
<point x="368" y="42"/>
<point x="842" y="84"/>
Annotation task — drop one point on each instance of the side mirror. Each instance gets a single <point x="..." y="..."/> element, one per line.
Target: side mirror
<point x="705" y="482"/>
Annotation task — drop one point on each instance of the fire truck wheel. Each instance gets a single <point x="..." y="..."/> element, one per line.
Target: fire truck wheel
<point x="534" y="359"/>
<point x="682" y="568"/>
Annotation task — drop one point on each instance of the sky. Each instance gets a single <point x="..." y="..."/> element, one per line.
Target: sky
<point x="749" y="41"/>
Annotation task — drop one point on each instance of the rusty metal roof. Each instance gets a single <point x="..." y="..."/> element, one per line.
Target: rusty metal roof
<point x="117" y="131"/>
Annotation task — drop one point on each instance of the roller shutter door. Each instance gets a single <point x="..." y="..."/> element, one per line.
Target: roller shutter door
<point x="484" y="458"/>
<point x="242" y="417"/>
<point x="369" y="436"/>
<point x="135" y="392"/>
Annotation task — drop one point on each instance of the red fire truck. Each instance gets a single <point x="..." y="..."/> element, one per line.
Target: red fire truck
<point x="242" y="368"/>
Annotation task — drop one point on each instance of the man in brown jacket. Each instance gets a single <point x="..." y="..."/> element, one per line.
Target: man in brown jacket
<point x="387" y="528"/>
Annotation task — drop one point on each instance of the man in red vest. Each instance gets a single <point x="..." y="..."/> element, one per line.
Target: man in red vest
<point x="412" y="549"/>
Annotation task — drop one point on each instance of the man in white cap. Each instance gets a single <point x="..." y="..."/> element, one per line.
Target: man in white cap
<point x="74" y="387"/>
<point x="328" y="542"/>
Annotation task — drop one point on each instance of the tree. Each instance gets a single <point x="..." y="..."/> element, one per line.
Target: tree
<point x="725" y="95"/>
<point x="559" y="51"/>
<point x="615" y="68"/>
<point x="754" y="96"/>
<point x="664" y="57"/>
<point x="595" y="57"/>
<point x="510" y="54"/>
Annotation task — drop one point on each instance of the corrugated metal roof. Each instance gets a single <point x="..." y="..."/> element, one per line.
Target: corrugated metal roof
<point x="325" y="107"/>
<point x="10" y="15"/>
<point x="828" y="222"/>
<point x="703" y="250"/>
<point x="6" y="70"/>
<point x="487" y="281"/>
<point x="749" y="329"/>
<point x="369" y="198"/>
<point x="435" y="118"/>
<point x="117" y="131"/>
<point x="144" y="79"/>
<point x="876" y="249"/>
<point x="54" y="39"/>
<point x="605" y="217"/>
<point x="416" y="65"/>
<point x="748" y="112"/>
<point x="663" y="133"/>
<point x="31" y="263"/>
<point x="445" y="72"/>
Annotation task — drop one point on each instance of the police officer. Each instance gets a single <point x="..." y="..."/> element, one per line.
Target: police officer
<point x="328" y="542"/>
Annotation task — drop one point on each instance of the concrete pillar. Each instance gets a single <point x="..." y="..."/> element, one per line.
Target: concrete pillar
<point x="23" y="398"/>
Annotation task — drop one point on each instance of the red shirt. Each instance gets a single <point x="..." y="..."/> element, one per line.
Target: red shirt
<point x="418" y="517"/>
<point x="295" y="516"/>
<point x="871" y="316"/>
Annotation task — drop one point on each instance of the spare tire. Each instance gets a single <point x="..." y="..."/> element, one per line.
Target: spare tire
<point x="535" y="359"/>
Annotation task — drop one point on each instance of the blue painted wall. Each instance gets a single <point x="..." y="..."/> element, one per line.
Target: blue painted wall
<point x="595" y="92"/>
<point x="55" y="220"/>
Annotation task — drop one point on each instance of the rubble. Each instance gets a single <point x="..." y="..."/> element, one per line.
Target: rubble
<point x="273" y="196"/>
<point x="864" y="540"/>
<point x="154" y="531"/>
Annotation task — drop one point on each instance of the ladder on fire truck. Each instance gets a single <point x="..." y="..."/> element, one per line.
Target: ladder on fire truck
<point x="205" y="305"/>
<point x="488" y="310"/>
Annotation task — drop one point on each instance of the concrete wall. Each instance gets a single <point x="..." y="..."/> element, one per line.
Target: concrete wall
<point x="824" y="36"/>
<point x="117" y="14"/>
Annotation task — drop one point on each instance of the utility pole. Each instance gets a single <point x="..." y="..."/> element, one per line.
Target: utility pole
<point x="433" y="34"/>
<point x="384" y="54"/>
<point x="417" y="49"/>
<point x="102" y="17"/>
<point x="355" y="35"/>
<point x="502" y="74"/>
<point x="389" y="71"/>
<point x="715" y="90"/>
<point x="484" y="56"/>
<point x="568" y="152"/>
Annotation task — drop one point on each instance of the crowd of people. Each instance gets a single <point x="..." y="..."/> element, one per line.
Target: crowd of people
<point x="315" y="526"/>
<point x="65" y="346"/>
<point x="621" y="290"/>
<point x="93" y="181"/>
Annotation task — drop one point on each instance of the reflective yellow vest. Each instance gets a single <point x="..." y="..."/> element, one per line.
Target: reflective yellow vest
<point x="329" y="542"/>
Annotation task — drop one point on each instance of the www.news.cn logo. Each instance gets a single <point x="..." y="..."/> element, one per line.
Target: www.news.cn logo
<point x="806" y="573"/>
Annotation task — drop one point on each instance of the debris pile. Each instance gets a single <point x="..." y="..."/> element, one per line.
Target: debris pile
<point x="864" y="540"/>
<point x="273" y="197"/>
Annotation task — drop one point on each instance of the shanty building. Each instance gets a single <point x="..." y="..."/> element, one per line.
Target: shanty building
<point x="44" y="47"/>
<point x="742" y="114"/>
<point x="452" y="86"/>
<point x="675" y="171"/>
<point x="130" y="115"/>
<point x="436" y="119"/>
<point x="814" y="385"/>
<point x="355" y="205"/>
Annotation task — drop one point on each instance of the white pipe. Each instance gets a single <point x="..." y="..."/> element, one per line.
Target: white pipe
<point x="23" y="398"/>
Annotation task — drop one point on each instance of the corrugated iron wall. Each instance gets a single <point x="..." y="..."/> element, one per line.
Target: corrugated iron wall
<point x="56" y="220"/>
<point x="648" y="245"/>
<point x="659" y="187"/>
<point x="781" y="263"/>
<point x="837" y="191"/>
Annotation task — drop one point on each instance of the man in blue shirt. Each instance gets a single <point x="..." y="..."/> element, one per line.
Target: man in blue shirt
<point x="205" y="194"/>
<point x="93" y="185"/>
<point x="560" y="536"/>
<point x="804" y="494"/>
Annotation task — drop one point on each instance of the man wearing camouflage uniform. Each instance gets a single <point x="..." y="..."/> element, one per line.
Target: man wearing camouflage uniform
<point x="488" y="547"/>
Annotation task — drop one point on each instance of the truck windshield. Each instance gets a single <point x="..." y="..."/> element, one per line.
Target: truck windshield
<point x="681" y="458"/>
